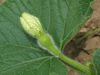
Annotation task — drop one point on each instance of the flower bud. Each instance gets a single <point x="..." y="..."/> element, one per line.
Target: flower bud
<point x="31" y="25"/>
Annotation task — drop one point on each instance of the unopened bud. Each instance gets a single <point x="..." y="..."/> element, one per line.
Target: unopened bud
<point x="31" y="25"/>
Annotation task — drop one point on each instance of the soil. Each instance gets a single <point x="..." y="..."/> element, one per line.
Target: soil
<point x="83" y="51"/>
<point x="1" y="1"/>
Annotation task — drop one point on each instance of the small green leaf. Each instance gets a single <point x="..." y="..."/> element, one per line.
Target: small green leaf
<point x="96" y="61"/>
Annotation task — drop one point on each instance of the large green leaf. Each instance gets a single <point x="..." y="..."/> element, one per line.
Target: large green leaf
<point x="17" y="55"/>
<point x="62" y="19"/>
<point x="22" y="60"/>
<point x="96" y="61"/>
<point x="78" y="12"/>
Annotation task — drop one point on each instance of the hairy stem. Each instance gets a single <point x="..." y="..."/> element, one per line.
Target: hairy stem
<point x="47" y="42"/>
<point x="76" y="66"/>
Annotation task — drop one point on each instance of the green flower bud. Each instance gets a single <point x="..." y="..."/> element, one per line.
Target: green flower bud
<point x="47" y="43"/>
<point x="31" y="25"/>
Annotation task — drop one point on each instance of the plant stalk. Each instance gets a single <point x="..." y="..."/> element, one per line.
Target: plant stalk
<point x="46" y="41"/>
<point x="76" y="66"/>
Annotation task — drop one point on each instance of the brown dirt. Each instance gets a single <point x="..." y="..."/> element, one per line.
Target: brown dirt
<point x="83" y="51"/>
<point x="1" y="1"/>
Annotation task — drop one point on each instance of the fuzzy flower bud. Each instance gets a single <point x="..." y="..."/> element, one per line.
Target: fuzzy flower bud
<point x="31" y="25"/>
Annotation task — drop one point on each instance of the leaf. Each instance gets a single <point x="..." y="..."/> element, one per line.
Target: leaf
<point x="22" y="60"/>
<point x="96" y="61"/>
<point x="66" y="19"/>
<point x="62" y="19"/>
<point x="17" y="55"/>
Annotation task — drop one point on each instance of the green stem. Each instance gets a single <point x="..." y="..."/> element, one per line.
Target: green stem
<point x="76" y="66"/>
<point x="46" y="41"/>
